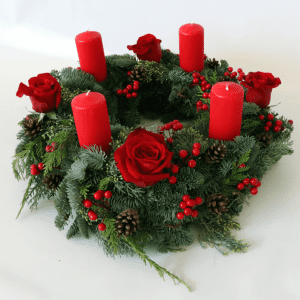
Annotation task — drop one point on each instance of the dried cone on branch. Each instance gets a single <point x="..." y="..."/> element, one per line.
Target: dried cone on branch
<point x="32" y="127"/>
<point x="216" y="203"/>
<point x="138" y="73"/>
<point x="265" y="138"/>
<point x="212" y="63"/>
<point x="52" y="181"/>
<point x="215" y="153"/>
<point x="127" y="222"/>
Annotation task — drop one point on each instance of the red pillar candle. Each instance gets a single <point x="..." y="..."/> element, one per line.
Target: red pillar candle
<point x="191" y="47"/>
<point x="226" y="109"/>
<point x="91" y="120"/>
<point x="91" y="54"/>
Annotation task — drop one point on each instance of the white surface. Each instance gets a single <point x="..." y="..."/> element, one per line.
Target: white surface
<point x="38" y="262"/>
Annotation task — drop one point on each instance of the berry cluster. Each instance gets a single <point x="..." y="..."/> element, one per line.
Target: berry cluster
<point x="253" y="181"/>
<point x="91" y="213"/>
<point x="184" y="154"/>
<point x="36" y="169"/>
<point x="187" y="204"/>
<point x="200" y="80"/>
<point x="174" y="126"/>
<point x="234" y="74"/>
<point x="129" y="87"/>
<point x="272" y="122"/>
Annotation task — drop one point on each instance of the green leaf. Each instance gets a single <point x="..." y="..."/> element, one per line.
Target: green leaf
<point x="51" y="115"/>
<point x="42" y="115"/>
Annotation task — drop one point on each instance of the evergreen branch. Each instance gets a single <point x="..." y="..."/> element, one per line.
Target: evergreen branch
<point x="161" y="271"/>
<point x="73" y="230"/>
<point x="83" y="226"/>
<point x="26" y="195"/>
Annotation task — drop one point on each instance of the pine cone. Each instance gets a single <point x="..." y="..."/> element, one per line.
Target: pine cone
<point x="138" y="73"/>
<point x="216" y="203"/>
<point x="32" y="127"/>
<point x="52" y="181"/>
<point x="212" y="64"/>
<point x="127" y="222"/>
<point x="215" y="153"/>
<point x="264" y="138"/>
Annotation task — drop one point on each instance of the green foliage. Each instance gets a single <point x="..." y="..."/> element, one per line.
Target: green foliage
<point x="73" y="230"/>
<point x="154" y="71"/>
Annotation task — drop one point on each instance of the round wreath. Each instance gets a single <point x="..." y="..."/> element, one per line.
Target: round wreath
<point x="156" y="183"/>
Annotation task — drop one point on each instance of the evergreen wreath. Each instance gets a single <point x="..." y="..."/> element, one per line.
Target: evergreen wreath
<point x="204" y="182"/>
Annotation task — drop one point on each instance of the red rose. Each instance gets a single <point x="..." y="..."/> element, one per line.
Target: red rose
<point x="147" y="48"/>
<point x="44" y="92"/>
<point x="260" y="80"/>
<point x="143" y="157"/>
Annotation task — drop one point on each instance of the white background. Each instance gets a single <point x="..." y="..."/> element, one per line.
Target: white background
<point x="38" y="262"/>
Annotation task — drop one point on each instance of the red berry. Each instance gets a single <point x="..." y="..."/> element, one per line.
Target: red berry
<point x="92" y="215"/>
<point x="128" y="73"/>
<point x="242" y="166"/>
<point x="234" y="74"/>
<point x="182" y="205"/>
<point x="87" y="203"/>
<point x="125" y="91"/>
<point x="134" y="94"/>
<point x="208" y="86"/>
<point x="239" y="70"/>
<point x="258" y="184"/>
<point x="53" y="149"/>
<point x="194" y="213"/>
<point x="204" y="83"/>
<point x="128" y="96"/>
<point x="176" y="126"/>
<point x="195" y="80"/>
<point x="253" y="181"/>
<point x="246" y="181"/>
<point x="136" y="82"/>
<point x="254" y="191"/>
<point x="187" y="211"/>
<point x="204" y="107"/>
<point x="230" y="69"/>
<point x="101" y="227"/>
<point x="198" y="200"/>
<point x="129" y="87"/>
<point x="48" y="148"/>
<point x="196" y="151"/>
<point x="195" y="75"/>
<point x="205" y="57"/>
<point x="282" y="128"/>
<point x="172" y="179"/>
<point x="175" y="122"/>
<point x="170" y="140"/>
<point x="231" y="75"/>
<point x="278" y="123"/>
<point x="202" y="78"/>
<point x="180" y="215"/>
<point x="209" y="95"/>
<point x="169" y="165"/>
<point x="203" y="88"/>
<point x="191" y="202"/>
<point x="119" y="92"/>
<point x="192" y="163"/>
<point x="185" y="198"/>
<point x="291" y="122"/>
<point x="33" y="166"/>
<point x="183" y="153"/>
<point x="35" y="171"/>
<point x="99" y="194"/>
<point x="136" y="87"/>
<point x="270" y="117"/>
<point x="197" y="145"/>
<point x="108" y="194"/>
<point x="276" y="128"/>
<point x="261" y="117"/>
<point x="240" y="186"/>
<point x="267" y="128"/>
<point x="205" y="95"/>
<point x="240" y="78"/>
<point x="199" y="103"/>
<point x="269" y="124"/>
<point x="174" y="169"/>
<point x="167" y="126"/>
<point x="226" y="74"/>
<point x="40" y="166"/>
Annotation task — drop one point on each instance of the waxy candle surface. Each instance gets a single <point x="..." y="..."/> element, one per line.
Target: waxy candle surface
<point x="191" y="47"/>
<point x="91" y="54"/>
<point x="226" y="110"/>
<point x="91" y="120"/>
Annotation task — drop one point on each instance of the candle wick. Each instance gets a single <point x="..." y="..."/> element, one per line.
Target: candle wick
<point x="87" y="93"/>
